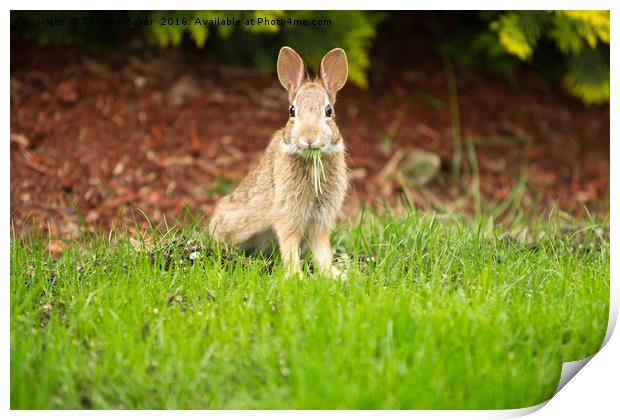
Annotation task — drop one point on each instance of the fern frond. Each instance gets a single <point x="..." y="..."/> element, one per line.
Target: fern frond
<point x="519" y="32"/>
<point x="588" y="76"/>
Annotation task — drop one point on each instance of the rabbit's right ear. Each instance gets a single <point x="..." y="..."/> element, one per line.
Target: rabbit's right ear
<point x="291" y="70"/>
<point x="334" y="71"/>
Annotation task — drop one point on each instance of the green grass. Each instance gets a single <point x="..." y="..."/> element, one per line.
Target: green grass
<point x="449" y="314"/>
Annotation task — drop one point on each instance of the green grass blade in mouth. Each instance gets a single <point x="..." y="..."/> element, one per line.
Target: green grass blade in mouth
<point x="318" y="171"/>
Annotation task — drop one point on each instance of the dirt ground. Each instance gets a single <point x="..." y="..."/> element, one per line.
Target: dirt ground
<point x="164" y="130"/>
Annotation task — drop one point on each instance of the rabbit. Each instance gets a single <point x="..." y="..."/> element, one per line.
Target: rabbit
<point x="277" y="200"/>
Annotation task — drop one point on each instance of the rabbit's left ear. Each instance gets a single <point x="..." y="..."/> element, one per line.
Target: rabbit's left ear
<point x="334" y="70"/>
<point x="291" y="70"/>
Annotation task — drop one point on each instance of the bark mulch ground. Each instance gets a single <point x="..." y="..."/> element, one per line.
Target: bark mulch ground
<point x="165" y="130"/>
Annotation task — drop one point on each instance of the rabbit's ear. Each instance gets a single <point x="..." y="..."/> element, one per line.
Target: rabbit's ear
<point x="334" y="70"/>
<point x="291" y="70"/>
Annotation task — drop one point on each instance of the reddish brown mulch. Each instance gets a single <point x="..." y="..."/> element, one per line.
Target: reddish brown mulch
<point x="168" y="129"/>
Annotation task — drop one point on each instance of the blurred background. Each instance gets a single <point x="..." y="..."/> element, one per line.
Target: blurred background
<point x="116" y="118"/>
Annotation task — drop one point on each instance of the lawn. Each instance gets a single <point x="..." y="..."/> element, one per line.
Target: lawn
<point x="434" y="312"/>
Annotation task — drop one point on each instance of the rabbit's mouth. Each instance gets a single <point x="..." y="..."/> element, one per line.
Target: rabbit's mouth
<point x="304" y="150"/>
<point x="309" y="144"/>
<point x="325" y="149"/>
<point x="309" y="152"/>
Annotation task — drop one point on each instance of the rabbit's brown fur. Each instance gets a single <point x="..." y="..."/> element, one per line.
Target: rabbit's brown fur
<point x="277" y="199"/>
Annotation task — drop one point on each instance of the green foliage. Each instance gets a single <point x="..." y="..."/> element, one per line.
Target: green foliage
<point x="351" y="30"/>
<point x="580" y="35"/>
<point x="572" y="28"/>
<point x="197" y="25"/>
<point x="588" y="75"/>
<point x="250" y="44"/>
<point x="571" y="46"/>
<point x="518" y="32"/>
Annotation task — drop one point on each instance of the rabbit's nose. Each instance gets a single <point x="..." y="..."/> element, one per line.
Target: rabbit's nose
<point x="311" y="142"/>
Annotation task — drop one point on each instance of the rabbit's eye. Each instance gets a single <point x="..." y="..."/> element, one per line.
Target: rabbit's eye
<point x="328" y="111"/>
<point x="291" y="111"/>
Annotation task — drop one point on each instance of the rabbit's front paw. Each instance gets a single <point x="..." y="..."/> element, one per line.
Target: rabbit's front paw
<point x="292" y="272"/>
<point x="333" y="272"/>
<point x="337" y="273"/>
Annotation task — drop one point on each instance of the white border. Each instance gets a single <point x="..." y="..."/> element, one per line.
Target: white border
<point x="598" y="382"/>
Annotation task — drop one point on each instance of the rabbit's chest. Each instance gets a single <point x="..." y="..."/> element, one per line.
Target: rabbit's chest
<point x="308" y="206"/>
<point x="316" y="209"/>
<point x="302" y="200"/>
